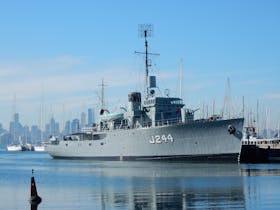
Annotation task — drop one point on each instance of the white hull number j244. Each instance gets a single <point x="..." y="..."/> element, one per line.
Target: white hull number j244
<point x="158" y="139"/>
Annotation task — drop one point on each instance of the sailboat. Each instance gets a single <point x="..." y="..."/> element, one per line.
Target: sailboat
<point x="39" y="148"/>
<point x="14" y="147"/>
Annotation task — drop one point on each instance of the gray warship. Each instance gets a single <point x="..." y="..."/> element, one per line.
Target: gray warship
<point x="153" y="127"/>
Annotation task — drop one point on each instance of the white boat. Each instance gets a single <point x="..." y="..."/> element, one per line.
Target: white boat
<point x="14" y="147"/>
<point x="39" y="148"/>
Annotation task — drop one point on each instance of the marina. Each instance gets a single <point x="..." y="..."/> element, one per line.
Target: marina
<point x="140" y="105"/>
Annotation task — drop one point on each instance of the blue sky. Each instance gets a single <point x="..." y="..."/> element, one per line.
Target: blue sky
<point x="65" y="48"/>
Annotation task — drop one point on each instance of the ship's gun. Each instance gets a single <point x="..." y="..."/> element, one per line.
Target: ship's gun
<point x="188" y="115"/>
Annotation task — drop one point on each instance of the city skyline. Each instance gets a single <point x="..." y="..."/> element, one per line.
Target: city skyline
<point x="57" y="53"/>
<point x="83" y="121"/>
<point x="18" y="132"/>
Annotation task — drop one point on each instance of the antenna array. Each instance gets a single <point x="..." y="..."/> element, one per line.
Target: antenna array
<point x="145" y="30"/>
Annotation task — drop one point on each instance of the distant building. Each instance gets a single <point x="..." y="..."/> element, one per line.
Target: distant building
<point x="52" y="129"/>
<point x="35" y="134"/>
<point x="16" y="118"/>
<point x="75" y="126"/>
<point x="56" y="129"/>
<point x="25" y="134"/>
<point x="1" y="128"/>
<point x="52" y="126"/>
<point x="83" y="119"/>
<point x="90" y="117"/>
<point x="47" y="130"/>
<point x="67" y="129"/>
<point x="16" y="128"/>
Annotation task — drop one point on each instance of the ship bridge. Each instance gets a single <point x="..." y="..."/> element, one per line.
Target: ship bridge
<point x="162" y="110"/>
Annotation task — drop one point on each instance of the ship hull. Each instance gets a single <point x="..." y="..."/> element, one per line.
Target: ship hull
<point x="256" y="154"/>
<point x="190" y="158"/>
<point x="196" y="141"/>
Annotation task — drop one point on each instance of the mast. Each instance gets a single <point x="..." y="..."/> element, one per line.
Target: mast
<point x="101" y="97"/>
<point x="13" y="116"/>
<point x="102" y="94"/>
<point x="278" y="131"/>
<point x="229" y="97"/>
<point x="181" y="78"/>
<point x="42" y="111"/>
<point x="146" y="30"/>
<point x="227" y="101"/>
<point x="243" y="106"/>
<point x="213" y="111"/>
<point x="258" y="124"/>
<point x="146" y="60"/>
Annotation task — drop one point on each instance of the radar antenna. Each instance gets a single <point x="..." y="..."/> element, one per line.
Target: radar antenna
<point x="146" y="30"/>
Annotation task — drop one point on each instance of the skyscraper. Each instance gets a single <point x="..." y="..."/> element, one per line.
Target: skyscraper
<point x="1" y="128"/>
<point x="90" y="116"/>
<point x="16" y="118"/>
<point x="83" y="120"/>
<point x="75" y="126"/>
<point x="35" y="134"/>
<point x="52" y="129"/>
<point x="67" y="127"/>
<point x="15" y="127"/>
<point x="52" y="126"/>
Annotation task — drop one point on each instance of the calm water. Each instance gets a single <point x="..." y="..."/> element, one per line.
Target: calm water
<point x="88" y="185"/>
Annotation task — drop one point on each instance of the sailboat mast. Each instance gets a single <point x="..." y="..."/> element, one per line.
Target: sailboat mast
<point x="42" y="111"/>
<point x="278" y="131"/>
<point x="13" y="115"/>
<point x="258" y="124"/>
<point x="181" y="78"/>
<point x="102" y="94"/>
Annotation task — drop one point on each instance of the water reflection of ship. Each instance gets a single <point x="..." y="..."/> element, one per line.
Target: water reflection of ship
<point x="260" y="172"/>
<point x="261" y="188"/>
<point x="181" y="187"/>
<point x="156" y="198"/>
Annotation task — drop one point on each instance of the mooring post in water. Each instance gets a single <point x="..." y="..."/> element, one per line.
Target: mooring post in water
<point x="34" y="199"/>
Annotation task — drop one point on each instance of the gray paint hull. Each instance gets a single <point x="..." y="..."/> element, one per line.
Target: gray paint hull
<point x="192" y="141"/>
